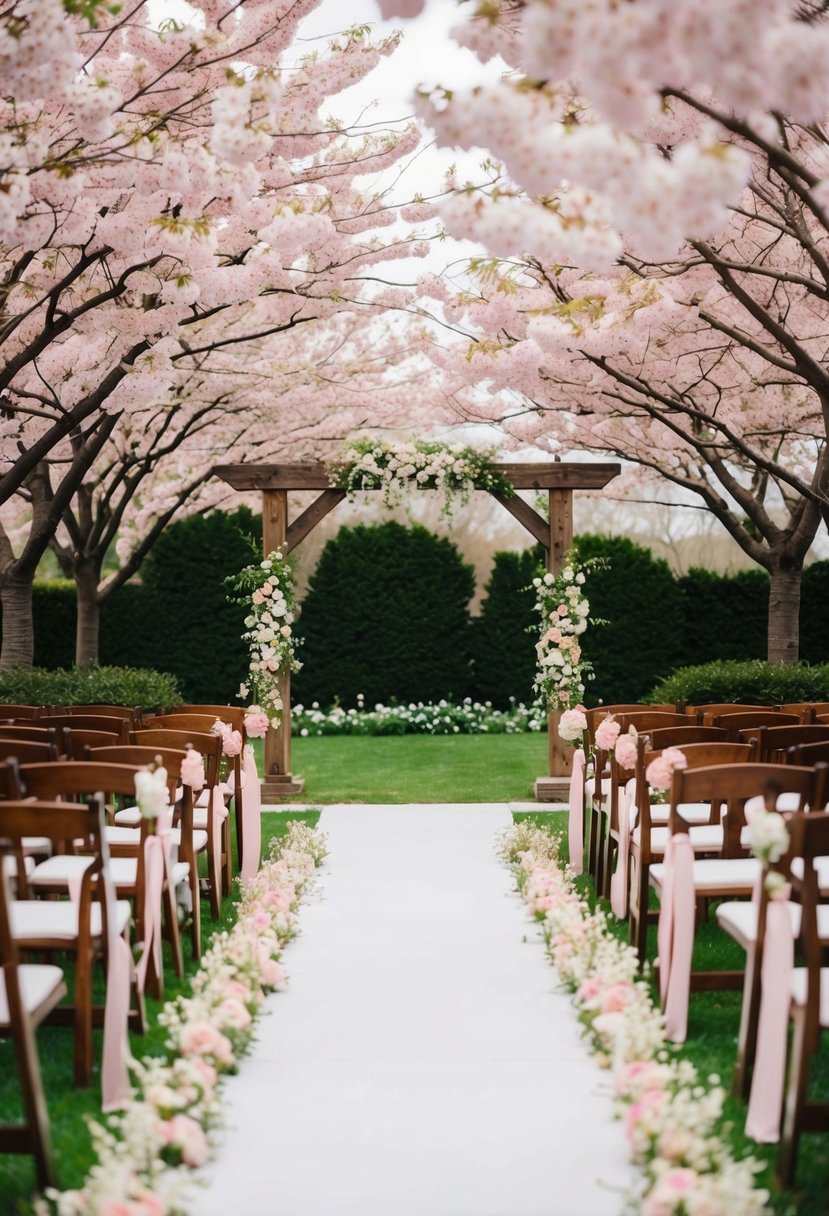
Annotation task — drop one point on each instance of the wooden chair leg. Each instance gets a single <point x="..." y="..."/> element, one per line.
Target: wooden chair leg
<point x="34" y="1104"/>
<point x="214" y="879"/>
<point x="796" y="1091"/>
<point x="83" y="1020"/>
<point x="638" y="916"/>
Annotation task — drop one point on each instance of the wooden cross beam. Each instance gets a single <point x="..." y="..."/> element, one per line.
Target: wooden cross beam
<point x="559" y="478"/>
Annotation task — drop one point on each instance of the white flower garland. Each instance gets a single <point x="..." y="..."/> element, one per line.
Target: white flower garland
<point x="268" y="592"/>
<point x="146" y="1152"/>
<point x="564" y="610"/>
<point x="373" y="464"/>
<point x="670" y="1113"/>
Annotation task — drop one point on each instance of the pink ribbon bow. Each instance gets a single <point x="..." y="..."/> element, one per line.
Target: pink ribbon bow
<point x="251" y="811"/>
<point x="619" y="881"/>
<point x="576" y="804"/>
<point x="768" y="1079"/>
<point x="675" y="934"/>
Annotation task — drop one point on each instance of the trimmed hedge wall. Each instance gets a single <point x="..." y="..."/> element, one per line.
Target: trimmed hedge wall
<point x="391" y="618"/>
<point x="386" y="616"/>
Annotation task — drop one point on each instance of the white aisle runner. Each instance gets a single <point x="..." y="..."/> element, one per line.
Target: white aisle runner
<point x="422" y="1062"/>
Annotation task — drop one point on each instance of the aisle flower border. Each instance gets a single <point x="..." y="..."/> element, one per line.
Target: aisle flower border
<point x="564" y="611"/>
<point x="670" y="1112"/>
<point x="376" y="464"/>
<point x="268" y="590"/>
<point x="145" y="1154"/>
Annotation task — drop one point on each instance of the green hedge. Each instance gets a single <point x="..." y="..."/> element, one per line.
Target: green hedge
<point x="98" y="686"/>
<point x="724" y="617"/>
<point x="386" y="616"/>
<point x="503" y="651"/>
<point x="755" y="681"/>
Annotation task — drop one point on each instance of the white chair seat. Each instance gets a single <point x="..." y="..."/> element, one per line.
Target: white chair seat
<point x="199" y="839"/>
<point x="821" y="868"/>
<point x="37" y="845"/>
<point x="59" y="871"/>
<point x="716" y="873"/>
<point x="37" y="983"/>
<point x="128" y="817"/>
<point x="590" y="787"/>
<point x="705" y="838"/>
<point x="124" y="836"/>
<point x="180" y="872"/>
<point x="692" y="812"/>
<point x="57" y="920"/>
<point x="798" y="990"/>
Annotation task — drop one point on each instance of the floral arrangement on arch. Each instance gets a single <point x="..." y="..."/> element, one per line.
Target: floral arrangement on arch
<point x="267" y="589"/>
<point x="671" y="1113"/>
<point x="145" y="1153"/>
<point x="561" y="672"/>
<point x="373" y="464"/>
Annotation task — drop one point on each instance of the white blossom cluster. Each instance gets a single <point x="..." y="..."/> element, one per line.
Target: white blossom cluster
<point x="564" y="610"/>
<point x="267" y="590"/>
<point x="427" y="718"/>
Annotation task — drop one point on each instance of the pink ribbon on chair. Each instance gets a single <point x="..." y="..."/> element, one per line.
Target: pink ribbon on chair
<point x="251" y="810"/>
<point x="675" y="934"/>
<point x="769" y="1076"/>
<point x="154" y="867"/>
<point x="619" y="881"/>
<point x="576" y="804"/>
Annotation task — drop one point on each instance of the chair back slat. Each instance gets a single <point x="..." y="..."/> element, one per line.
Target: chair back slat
<point x="116" y="725"/>
<point x="774" y="739"/>
<point x="27" y="751"/>
<point x="681" y="736"/>
<point x="735" y="722"/>
<point x="209" y="745"/>
<point x="808" y="753"/>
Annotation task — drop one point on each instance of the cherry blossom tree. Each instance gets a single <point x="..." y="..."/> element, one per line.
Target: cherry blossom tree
<point x="287" y="396"/>
<point x="165" y="191"/>
<point x="660" y="269"/>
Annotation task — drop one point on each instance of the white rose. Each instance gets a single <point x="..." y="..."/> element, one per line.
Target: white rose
<point x="548" y="580"/>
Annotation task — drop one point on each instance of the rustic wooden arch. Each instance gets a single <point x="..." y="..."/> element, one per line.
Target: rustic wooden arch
<point x="559" y="478"/>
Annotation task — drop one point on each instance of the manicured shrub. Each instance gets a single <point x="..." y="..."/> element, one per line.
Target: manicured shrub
<point x="197" y="633"/>
<point x="54" y="614"/>
<point x="814" y="613"/>
<point x="637" y="595"/>
<point x="503" y="644"/>
<point x="753" y="682"/>
<point x="80" y="686"/>
<point x="386" y="615"/>
<point x="724" y="616"/>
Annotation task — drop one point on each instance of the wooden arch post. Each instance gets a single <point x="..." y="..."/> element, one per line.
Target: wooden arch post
<point x="559" y="478"/>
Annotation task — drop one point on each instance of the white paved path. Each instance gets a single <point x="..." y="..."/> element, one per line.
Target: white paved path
<point x="422" y="1062"/>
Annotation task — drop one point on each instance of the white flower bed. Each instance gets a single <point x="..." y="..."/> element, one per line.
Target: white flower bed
<point x="427" y="718"/>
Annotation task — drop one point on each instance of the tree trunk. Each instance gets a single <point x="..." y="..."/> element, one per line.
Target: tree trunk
<point x="18" y="627"/>
<point x="784" y="612"/>
<point x="87" y="636"/>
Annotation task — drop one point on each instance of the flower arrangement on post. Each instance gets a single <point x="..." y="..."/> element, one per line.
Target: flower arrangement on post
<point x="372" y="464"/>
<point x="267" y="590"/>
<point x="561" y="672"/>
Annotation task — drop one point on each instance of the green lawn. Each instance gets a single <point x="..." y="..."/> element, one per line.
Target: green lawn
<point x="420" y="768"/>
<point x="713" y="1026"/>
<point x="70" y="1107"/>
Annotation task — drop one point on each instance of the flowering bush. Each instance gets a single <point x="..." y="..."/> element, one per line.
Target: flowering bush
<point x="369" y="464"/>
<point x="144" y="1153"/>
<point x="670" y="1113"/>
<point x="427" y="718"/>
<point x="563" y="608"/>
<point x="267" y="589"/>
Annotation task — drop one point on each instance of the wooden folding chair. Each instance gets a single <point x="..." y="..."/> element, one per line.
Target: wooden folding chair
<point x="112" y="724"/>
<point x="732" y="875"/>
<point x="713" y="709"/>
<point x="775" y="741"/>
<point x="210" y="747"/>
<point x="809" y="1010"/>
<point x="650" y="823"/>
<point x="74" y="779"/>
<point x="81" y="927"/>
<point x="184" y="838"/>
<point x="27" y="751"/>
<point x="28" y="994"/>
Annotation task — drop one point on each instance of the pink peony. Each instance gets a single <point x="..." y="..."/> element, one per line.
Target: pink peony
<point x="187" y="1136"/>
<point x="607" y="732"/>
<point x="192" y="769"/>
<point x="273" y="973"/>
<point x="256" y="723"/>
<point x="669" y="1191"/>
<point x="617" y="998"/>
<point x="659" y="772"/>
<point x="651" y="1100"/>
<point x="233" y="1013"/>
<point x="232" y="743"/>
<point x="625" y="749"/>
<point x="590" y="989"/>
<point x="572" y="724"/>
<point x="202" y="1039"/>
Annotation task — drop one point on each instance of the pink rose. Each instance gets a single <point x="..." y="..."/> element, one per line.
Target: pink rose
<point x="273" y="974"/>
<point x="659" y="772"/>
<point x="206" y="1072"/>
<point x="673" y="1186"/>
<point x="192" y="769"/>
<point x="617" y="998"/>
<point x="202" y="1039"/>
<point x="625" y="749"/>
<point x="564" y="696"/>
<point x="187" y="1136"/>
<point x="232" y="743"/>
<point x="235" y="989"/>
<point x="590" y="989"/>
<point x="256" y="724"/>
<point x="651" y="1100"/>
<point x="233" y="1013"/>
<point x="258" y="597"/>
<point x="607" y="732"/>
